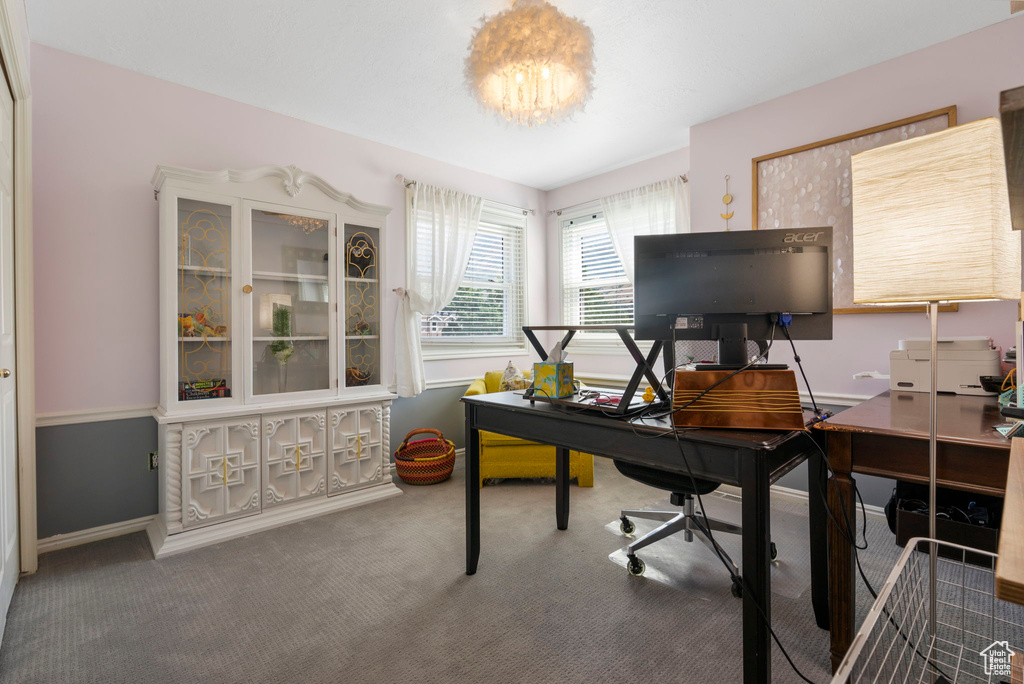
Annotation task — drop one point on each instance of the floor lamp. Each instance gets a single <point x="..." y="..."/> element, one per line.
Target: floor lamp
<point x="931" y="223"/>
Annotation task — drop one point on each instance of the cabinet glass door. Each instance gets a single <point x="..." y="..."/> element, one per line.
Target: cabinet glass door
<point x="291" y="302"/>
<point x="204" y="300"/>
<point x="361" y="318"/>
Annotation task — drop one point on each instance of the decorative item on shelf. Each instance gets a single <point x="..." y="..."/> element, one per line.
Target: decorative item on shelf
<point x="185" y="323"/>
<point x="282" y="349"/>
<point x="727" y="200"/>
<point x="361" y="327"/>
<point x="355" y="377"/>
<point x="269" y="303"/>
<point x="306" y="224"/>
<point x="214" y="388"/>
<point x="648" y="396"/>
<point x="360" y="256"/>
<point x="425" y="461"/>
<point x="531" y="64"/>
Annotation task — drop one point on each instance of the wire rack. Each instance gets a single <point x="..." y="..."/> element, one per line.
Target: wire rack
<point x="973" y="631"/>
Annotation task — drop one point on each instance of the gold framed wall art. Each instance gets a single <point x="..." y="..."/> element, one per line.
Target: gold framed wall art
<point x="810" y="185"/>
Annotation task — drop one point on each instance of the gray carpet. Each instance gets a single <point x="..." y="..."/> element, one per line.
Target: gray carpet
<point x="379" y="594"/>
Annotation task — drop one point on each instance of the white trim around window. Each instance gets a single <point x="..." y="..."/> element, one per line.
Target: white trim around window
<point x="593" y="343"/>
<point x="503" y="229"/>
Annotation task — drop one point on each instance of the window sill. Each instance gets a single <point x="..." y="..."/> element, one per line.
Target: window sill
<point x="472" y="352"/>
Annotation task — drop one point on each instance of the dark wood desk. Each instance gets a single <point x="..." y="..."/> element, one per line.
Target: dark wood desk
<point x="888" y="436"/>
<point x="752" y="460"/>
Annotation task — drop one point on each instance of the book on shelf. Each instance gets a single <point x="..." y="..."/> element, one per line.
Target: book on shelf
<point x="213" y="388"/>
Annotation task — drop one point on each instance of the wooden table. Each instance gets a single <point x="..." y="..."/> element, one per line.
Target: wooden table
<point x="1010" y="564"/>
<point x="750" y="459"/>
<point x="888" y="436"/>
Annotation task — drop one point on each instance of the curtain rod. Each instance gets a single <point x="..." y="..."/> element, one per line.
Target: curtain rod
<point x="407" y="182"/>
<point x="558" y="212"/>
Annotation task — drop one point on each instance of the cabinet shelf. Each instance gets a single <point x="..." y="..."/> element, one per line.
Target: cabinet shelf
<point x="361" y="337"/>
<point x="360" y="280"/>
<point x="294" y="338"/>
<point x="214" y="270"/>
<point x="204" y="339"/>
<point x="270" y="275"/>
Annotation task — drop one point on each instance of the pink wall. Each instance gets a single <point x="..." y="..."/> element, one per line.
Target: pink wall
<point x="968" y="71"/>
<point x="658" y="168"/>
<point x="99" y="131"/>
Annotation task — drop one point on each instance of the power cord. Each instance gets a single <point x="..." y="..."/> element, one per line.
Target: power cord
<point x="736" y="578"/>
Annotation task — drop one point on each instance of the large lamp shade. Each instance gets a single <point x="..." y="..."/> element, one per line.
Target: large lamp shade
<point x="931" y="219"/>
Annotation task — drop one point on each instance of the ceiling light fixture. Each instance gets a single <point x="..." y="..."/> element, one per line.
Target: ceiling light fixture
<point x="531" y="64"/>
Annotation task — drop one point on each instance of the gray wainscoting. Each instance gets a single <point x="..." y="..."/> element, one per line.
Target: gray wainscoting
<point x="93" y="474"/>
<point x="439" y="409"/>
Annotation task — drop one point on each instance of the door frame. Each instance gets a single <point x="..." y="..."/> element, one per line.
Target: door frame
<point x="13" y="43"/>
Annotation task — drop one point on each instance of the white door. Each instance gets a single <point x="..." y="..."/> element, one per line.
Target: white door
<point x="9" y="567"/>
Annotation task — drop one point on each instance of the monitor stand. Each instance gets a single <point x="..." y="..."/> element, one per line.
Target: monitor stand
<point x="732" y="350"/>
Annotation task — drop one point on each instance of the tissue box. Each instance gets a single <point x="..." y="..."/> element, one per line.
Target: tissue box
<point x="552" y="380"/>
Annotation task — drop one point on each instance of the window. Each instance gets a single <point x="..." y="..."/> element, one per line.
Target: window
<point x="488" y="308"/>
<point x="595" y="289"/>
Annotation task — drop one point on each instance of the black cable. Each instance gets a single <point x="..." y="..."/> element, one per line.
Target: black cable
<point x="850" y="535"/>
<point x="796" y="357"/>
<point x="735" y="577"/>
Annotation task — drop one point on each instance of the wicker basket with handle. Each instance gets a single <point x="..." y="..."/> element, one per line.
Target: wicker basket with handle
<point x="425" y="461"/>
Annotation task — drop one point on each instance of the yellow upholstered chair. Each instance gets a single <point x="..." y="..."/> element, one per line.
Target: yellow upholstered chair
<point x="503" y="456"/>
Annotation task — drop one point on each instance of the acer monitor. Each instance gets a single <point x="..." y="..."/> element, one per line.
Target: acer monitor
<point x="731" y="286"/>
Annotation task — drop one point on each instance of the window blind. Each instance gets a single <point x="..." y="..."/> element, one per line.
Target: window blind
<point x="595" y="289"/>
<point x="488" y="306"/>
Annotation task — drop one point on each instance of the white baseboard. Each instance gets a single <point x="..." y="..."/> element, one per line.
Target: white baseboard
<point x="798" y="496"/>
<point x="64" y="541"/>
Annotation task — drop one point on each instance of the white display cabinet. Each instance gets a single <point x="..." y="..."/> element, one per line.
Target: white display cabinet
<point x="272" y="407"/>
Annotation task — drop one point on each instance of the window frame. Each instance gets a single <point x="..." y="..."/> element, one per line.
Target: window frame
<point x="583" y="343"/>
<point x="435" y="349"/>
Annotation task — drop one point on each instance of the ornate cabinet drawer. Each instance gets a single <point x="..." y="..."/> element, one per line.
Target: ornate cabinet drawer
<point x="294" y="459"/>
<point x="220" y="471"/>
<point x="357" y="446"/>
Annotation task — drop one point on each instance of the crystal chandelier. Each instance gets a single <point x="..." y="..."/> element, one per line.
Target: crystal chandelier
<point x="531" y="63"/>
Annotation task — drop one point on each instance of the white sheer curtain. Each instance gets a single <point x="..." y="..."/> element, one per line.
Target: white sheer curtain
<point x="655" y="209"/>
<point x="441" y="225"/>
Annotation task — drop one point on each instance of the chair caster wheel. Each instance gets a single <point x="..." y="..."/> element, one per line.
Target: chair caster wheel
<point x="626" y="526"/>
<point x="737" y="588"/>
<point x="635" y="566"/>
<point x="774" y="552"/>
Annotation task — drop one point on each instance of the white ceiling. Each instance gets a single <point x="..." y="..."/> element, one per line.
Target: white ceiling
<point x="392" y="70"/>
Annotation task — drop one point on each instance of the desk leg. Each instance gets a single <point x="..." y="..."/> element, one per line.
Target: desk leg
<point x="842" y="587"/>
<point x="472" y="492"/>
<point x="756" y="573"/>
<point x="562" y="488"/>
<point x="817" y="476"/>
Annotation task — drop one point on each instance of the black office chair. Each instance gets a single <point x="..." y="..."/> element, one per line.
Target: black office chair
<point x="683" y="489"/>
<point x="687" y="521"/>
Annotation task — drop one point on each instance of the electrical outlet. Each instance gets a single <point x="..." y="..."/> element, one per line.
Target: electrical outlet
<point x="154" y="460"/>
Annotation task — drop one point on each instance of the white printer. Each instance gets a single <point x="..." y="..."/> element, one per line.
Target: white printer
<point x="962" y="361"/>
